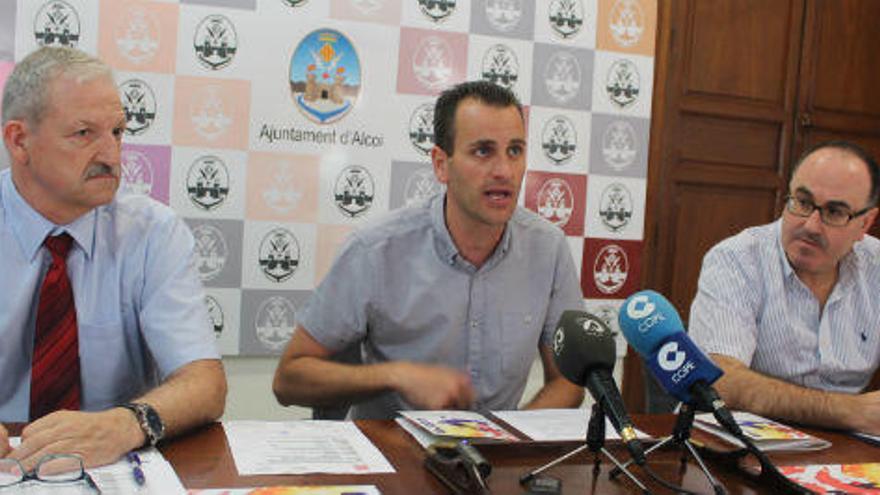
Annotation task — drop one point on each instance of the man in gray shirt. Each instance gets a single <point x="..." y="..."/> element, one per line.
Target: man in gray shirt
<point x="450" y="300"/>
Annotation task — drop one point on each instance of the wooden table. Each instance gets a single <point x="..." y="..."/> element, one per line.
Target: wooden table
<point x="203" y="460"/>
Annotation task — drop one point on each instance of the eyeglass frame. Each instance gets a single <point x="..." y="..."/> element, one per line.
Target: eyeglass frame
<point x="822" y="210"/>
<point x="31" y="475"/>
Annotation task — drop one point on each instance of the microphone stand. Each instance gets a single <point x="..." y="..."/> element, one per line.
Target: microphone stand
<point x="680" y="436"/>
<point x="596" y="444"/>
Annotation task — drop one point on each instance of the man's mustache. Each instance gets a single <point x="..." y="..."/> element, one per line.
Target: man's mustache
<point x="97" y="169"/>
<point x="812" y="237"/>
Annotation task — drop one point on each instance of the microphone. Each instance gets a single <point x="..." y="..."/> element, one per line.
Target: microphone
<point x="653" y="328"/>
<point x="584" y="351"/>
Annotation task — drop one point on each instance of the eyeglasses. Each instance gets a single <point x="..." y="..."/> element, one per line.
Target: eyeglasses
<point x="52" y="468"/>
<point x="834" y="215"/>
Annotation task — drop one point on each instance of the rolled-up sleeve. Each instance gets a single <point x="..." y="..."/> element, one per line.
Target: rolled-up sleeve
<point x="723" y="317"/>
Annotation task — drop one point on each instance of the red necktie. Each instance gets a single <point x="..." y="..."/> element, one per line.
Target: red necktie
<point x="55" y="381"/>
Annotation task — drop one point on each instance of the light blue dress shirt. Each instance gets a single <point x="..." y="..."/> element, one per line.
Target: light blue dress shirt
<point x="751" y="306"/>
<point x="139" y="304"/>
<point x="401" y="288"/>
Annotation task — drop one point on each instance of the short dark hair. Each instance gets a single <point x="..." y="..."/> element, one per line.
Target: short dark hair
<point x="853" y="149"/>
<point x="444" y="110"/>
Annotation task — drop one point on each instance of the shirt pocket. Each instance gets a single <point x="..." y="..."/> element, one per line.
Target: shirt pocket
<point x="520" y="332"/>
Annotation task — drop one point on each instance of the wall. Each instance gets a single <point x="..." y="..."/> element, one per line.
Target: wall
<point x="223" y="88"/>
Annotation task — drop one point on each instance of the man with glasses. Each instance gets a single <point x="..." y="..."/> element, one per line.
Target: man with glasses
<point x="789" y="310"/>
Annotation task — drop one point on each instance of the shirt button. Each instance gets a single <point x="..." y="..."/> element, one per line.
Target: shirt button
<point x="473" y="324"/>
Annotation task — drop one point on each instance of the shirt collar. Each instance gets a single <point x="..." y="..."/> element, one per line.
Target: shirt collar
<point x="30" y="228"/>
<point x="444" y="244"/>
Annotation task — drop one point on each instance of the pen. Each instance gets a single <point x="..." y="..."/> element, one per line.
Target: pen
<point x="136" y="470"/>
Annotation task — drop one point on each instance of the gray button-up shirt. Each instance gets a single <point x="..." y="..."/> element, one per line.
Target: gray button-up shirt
<point x="751" y="305"/>
<point x="401" y="288"/>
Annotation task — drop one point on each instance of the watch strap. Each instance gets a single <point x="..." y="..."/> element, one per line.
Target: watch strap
<point x="149" y="420"/>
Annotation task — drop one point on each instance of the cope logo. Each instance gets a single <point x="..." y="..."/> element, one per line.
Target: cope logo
<point x="639" y="306"/>
<point x="57" y="24"/>
<point x="421" y="128"/>
<point x="210" y="251"/>
<point x="137" y="35"/>
<point x="354" y="190"/>
<point x="432" y="63"/>
<point x="670" y="357"/>
<point x="294" y="3"/>
<point x="627" y="22"/>
<point x="610" y="269"/>
<point x="504" y="15"/>
<point x="619" y="145"/>
<point x="559" y="139"/>
<point x="562" y="76"/>
<point x="207" y="182"/>
<point x="622" y="83"/>
<point x="437" y="10"/>
<point x="325" y="76"/>
<point x="566" y="17"/>
<point x="279" y="255"/>
<point x="139" y="103"/>
<point x="556" y="202"/>
<point x="215" y="42"/>
<point x="136" y="172"/>
<point x="215" y="315"/>
<point x="615" y="207"/>
<point x="273" y="324"/>
<point x="500" y="66"/>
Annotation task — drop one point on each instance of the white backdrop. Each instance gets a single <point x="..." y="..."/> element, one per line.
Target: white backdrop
<point x="223" y="127"/>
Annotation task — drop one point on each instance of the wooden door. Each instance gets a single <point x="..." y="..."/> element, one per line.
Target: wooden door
<point x="839" y="96"/>
<point x="723" y="116"/>
<point x="741" y="88"/>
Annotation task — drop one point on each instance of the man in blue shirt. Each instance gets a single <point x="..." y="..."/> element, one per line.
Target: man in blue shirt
<point x="789" y="309"/>
<point x="450" y="300"/>
<point x="147" y="360"/>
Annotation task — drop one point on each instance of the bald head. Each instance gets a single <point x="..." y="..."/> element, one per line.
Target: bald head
<point x="856" y="167"/>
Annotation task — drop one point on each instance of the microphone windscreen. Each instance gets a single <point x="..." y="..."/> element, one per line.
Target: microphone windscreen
<point x="678" y="364"/>
<point x="581" y="343"/>
<point x="647" y="318"/>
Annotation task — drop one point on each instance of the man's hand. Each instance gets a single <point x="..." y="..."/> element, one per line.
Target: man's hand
<point x="99" y="437"/>
<point x="432" y="387"/>
<point x="4" y="441"/>
<point x="866" y="414"/>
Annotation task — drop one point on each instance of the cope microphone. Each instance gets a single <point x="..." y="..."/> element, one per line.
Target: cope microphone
<point x="584" y="351"/>
<point x="653" y="328"/>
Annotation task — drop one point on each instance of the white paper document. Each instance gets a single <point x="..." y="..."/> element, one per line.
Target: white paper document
<point x="553" y="425"/>
<point x="302" y="447"/>
<point x="292" y="490"/>
<point x="117" y="478"/>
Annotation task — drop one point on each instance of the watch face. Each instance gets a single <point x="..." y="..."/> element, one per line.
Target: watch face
<point x="155" y="423"/>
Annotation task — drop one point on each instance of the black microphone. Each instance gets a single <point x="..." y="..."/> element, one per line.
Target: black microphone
<point x="584" y="351"/>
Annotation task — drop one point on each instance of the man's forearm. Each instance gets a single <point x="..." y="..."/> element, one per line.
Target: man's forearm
<point x="315" y="382"/>
<point x="557" y="393"/>
<point x="193" y="395"/>
<point x="742" y="388"/>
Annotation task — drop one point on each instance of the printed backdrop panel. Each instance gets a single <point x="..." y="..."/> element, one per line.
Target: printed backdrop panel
<point x="276" y="127"/>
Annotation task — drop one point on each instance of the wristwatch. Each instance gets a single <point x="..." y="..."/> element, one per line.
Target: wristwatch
<point x="148" y="419"/>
